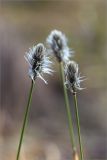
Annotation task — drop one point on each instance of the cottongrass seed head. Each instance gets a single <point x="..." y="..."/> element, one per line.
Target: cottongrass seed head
<point x="39" y="62"/>
<point x="72" y="77"/>
<point x="57" y="43"/>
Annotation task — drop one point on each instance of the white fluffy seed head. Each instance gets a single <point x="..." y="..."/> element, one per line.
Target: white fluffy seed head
<point x="39" y="62"/>
<point x="57" y="42"/>
<point x="72" y="76"/>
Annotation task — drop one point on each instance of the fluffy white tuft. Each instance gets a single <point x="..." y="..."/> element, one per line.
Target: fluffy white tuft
<point x="39" y="62"/>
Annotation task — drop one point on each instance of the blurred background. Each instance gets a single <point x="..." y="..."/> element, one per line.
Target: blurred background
<point x="25" y="23"/>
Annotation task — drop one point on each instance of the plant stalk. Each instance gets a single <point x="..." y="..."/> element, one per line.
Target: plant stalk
<point x="70" y="124"/>
<point x="25" y="120"/>
<point x="78" y="126"/>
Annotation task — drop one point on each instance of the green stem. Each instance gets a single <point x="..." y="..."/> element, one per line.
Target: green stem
<point x="67" y="108"/>
<point x="78" y="126"/>
<point x="25" y="120"/>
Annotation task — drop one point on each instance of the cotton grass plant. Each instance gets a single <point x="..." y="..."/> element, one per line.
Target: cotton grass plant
<point x="39" y="63"/>
<point x="57" y="43"/>
<point x="73" y="80"/>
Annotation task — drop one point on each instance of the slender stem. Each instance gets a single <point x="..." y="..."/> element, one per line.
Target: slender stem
<point x="67" y="108"/>
<point x="25" y="120"/>
<point x="78" y="125"/>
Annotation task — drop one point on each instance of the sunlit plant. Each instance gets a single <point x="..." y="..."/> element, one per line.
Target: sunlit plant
<point x="39" y="63"/>
<point x="57" y="43"/>
<point x="72" y="82"/>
